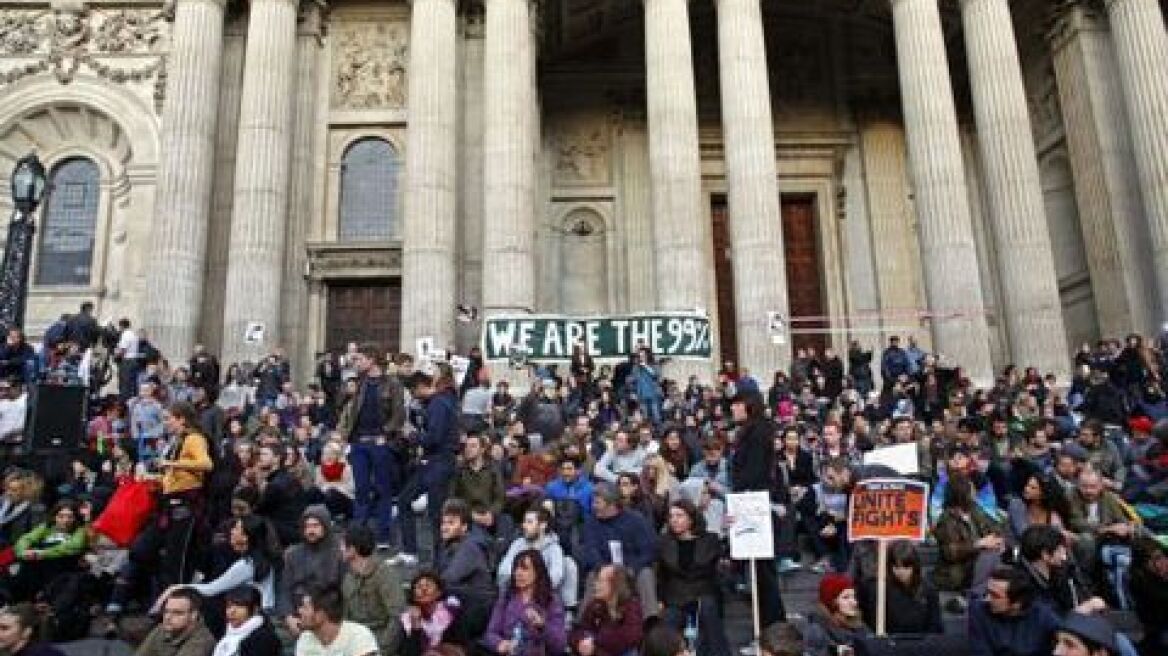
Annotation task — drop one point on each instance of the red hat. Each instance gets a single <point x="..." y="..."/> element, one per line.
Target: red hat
<point x="831" y="586"/>
<point x="1140" y="424"/>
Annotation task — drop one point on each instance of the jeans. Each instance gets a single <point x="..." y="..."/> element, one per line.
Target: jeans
<point x="711" y="631"/>
<point x="433" y="480"/>
<point x="374" y="477"/>
<point x="1116" y="560"/>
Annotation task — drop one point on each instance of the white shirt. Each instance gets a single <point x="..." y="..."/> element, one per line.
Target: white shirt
<point x="128" y="344"/>
<point x="352" y="640"/>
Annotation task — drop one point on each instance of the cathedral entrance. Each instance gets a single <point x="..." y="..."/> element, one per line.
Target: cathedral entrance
<point x="365" y="311"/>
<point x="804" y="276"/>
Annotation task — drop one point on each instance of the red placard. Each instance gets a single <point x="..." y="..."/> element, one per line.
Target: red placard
<point x="888" y="509"/>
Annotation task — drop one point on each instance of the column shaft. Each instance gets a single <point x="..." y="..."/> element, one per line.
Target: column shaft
<point x="942" y="202"/>
<point x="256" y="255"/>
<point x="1033" y="309"/>
<point x="428" y="265"/>
<point x="508" y="161"/>
<point x="756" y="226"/>
<point x="1141" y="47"/>
<point x="679" y="227"/>
<point x="182" y="205"/>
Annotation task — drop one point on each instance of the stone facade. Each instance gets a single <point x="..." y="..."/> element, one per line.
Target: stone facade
<point x="984" y="175"/>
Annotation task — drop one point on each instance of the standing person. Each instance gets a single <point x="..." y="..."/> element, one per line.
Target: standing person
<point x="751" y="469"/>
<point x="371" y="420"/>
<point x="646" y="378"/>
<point x="325" y="631"/>
<point x="165" y="547"/>
<point x="439" y="444"/>
<point x="372" y="589"/>
<point x="893" y="363"/>
<point x="129" y="359"/>
<point x="181" y="632"/>
<point x="860" y="368"/>
<point x="205" y="371"/>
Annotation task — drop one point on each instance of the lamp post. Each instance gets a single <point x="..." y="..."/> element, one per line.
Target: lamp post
<point x="28" y="188"/>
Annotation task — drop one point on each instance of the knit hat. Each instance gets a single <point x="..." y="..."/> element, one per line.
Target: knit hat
<point x="831" y="586"/>
<point x="1140" y="424"/>
<point x="1092" y="628"/>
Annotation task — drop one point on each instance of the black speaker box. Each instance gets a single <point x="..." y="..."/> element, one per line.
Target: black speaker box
<point x="56" y="419"/>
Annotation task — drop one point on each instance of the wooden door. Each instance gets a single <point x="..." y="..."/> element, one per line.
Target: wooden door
<point x="724" y="282"/>
<point x="364" y="312"/>
<point x="804" y="273"/>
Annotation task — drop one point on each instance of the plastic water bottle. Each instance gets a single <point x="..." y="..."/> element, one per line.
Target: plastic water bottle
<point x="517" y="646"/>
<point x="691" y="633"/>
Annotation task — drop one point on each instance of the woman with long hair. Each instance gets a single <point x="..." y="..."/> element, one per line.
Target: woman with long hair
<point x="48" y="551"/>
<point x="687" y="577"/>
<point x="1041" y="502"/>
<point x="528" y="618"/>
<point x="611" y="622"/>
<point x="658" y="486"/>
<point x="429" y="615"/>
<point x="18" y="627"/>
<point x="248" y="631"/>
<point x="677" y="453"/>
<point x="912" y="603"/>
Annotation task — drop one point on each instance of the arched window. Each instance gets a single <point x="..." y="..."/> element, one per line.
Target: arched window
<point x="369" y="179"/>
<point x="68" y="225"/>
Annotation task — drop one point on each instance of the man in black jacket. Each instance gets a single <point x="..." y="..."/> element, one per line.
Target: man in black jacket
<point x="751" y="469"/>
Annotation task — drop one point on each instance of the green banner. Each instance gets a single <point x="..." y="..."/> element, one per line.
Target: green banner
<point x="683" y="335"/>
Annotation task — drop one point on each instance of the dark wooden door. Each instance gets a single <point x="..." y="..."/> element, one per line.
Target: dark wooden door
<point x="804" y="273"/>
<point x="724" y="281"/>
<point x="364" y="312"/>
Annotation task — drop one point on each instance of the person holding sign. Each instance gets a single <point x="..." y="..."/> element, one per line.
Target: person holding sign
<point x="911" y="602"/>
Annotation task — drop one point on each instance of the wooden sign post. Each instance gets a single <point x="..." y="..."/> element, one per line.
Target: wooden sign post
<point x="886" y="510"/>
<point x="751" y="538"/>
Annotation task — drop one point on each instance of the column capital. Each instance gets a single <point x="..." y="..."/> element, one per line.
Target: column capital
<point x="1066" y="18"/>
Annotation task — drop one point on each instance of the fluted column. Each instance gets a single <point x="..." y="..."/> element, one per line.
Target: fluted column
<point x="942" y="202"/>
<point x="428" y="264"/>
<point x="256" y="256"/>
<point x="182" y="205"/>
<point x="756" y="226"/>
<point x="679" y="224"/>
<point x="1141" y="47"/>
<point x="508" y="159"/>
<point x="1033" y="309"/>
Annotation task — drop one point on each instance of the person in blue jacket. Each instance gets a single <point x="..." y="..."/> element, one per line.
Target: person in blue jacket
<point x="438" y="442"/>
<point x="571" y="486"/>
<point x="615" y="536"/>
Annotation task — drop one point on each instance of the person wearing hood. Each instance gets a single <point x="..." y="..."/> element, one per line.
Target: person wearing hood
<point x="561" y="569"/>
<point x="314" y="562"/>
<point x="837" y="622"/>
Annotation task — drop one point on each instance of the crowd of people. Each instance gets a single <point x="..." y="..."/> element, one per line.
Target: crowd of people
<point x="392" y="506"/>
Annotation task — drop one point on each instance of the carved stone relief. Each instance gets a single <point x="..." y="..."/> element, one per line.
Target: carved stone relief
<point x="582" y="151"/>
<point x="120" y="45"/>
<point x="370" y="60"/>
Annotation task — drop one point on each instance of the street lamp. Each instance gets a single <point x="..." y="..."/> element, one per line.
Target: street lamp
<point x="28" y="188"/>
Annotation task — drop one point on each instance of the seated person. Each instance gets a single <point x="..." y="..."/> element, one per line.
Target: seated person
<point x="1041" y="503"/>
<point x="536" y="535"/>
<point x="325" y="632"/>
<point x="1008" y="621"/>
<point x="610" y="624"/>
<point x="616" y="535"/>
<point x="912" y="605"/>
<point x="1104" y="531"/>
<point x="1043" y="557"/>
<point x="623" y="458"/>
<point x="570" y="494"/>
<point x="687" y="577"/>
<point x="480" y="485"/>
<point x="372" y="588"/>
<point x="970" y="542"/>
<point x="836" y="623"/>
<point x="182" y="630"/>
<point x="50" y="550"/>
<point x="1086" y="635"/>
<point x="429" y="617"/>
<point x="248" y="631"/>
<point x="1149" y="591"/>
<point x="463" y="564"/>
<point x="528" y="617"/>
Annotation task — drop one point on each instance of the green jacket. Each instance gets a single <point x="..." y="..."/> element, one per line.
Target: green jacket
<point x="73" y="545"/>
<point x="955" y="538"/>
<point x="1111" y="511"/>
<point x="481" y="490"/>
<point x="196" y="641"/>
<point x="376" y="600"/>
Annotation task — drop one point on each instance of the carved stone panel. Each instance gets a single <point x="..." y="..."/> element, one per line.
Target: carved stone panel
<point x="581" y="150"/>
<point x="369" y="65"/>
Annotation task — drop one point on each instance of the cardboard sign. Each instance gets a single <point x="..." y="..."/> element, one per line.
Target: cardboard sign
<point x="424" y="347"/>
<point x="888" y="509"/>
<point x="253" y="333"/>
<point x="460" y="365"/>
<point x="752" y="535"/>
<point x="903" y="458"/>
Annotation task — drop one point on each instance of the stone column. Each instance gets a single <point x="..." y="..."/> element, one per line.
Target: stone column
<point x="1106" y="190"/>
<point x="756" y="225"/>
<point x="679" y="224"/>
<point x="429" y="285"/>
<point x="508" y="160"/>
<point x="256" y="256"/>
<point x="182" y="206"/>
<point x="1032" y="307"/>
<point x="938" y="176"/>
<point x="1141" y="47"/>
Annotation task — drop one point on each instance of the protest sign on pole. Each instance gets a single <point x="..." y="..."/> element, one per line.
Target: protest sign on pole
<point x="254" y="333"/>
<point x="887" y="509"/>
<point x="751" y="537"/>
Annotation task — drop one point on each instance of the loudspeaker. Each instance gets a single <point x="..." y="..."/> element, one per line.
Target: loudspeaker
<point x="56" y="418"/>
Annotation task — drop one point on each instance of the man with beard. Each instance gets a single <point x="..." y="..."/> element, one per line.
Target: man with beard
<point x="325" y="632"/>
<point x="314" y="562"/>
<point x="1056" y="580"/>
<point x="281" y="497"/>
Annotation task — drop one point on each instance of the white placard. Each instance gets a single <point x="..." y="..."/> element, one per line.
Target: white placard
<point x="752" y="535"/>
<point x="460" y="365"/>
<point x="254" y="333"/>
<point x="777" y="327"/>
<point x="424" y="346"/>
<point x="902" y="458"/>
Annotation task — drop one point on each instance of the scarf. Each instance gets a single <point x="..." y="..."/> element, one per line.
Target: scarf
<point x="10" y="511"/>
<point x="332" y="472"/>
<point x="229" y="645"/>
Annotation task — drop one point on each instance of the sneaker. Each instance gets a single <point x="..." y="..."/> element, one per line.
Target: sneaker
<point x="749" y="650"/>
<point x="403" y="560"/>
<point x="787" y="565"/>
<point x="384" y="546"/>
<point x="819" y="567"/>
<point x="956" y="606"/>
<point x="113" y="608"/>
